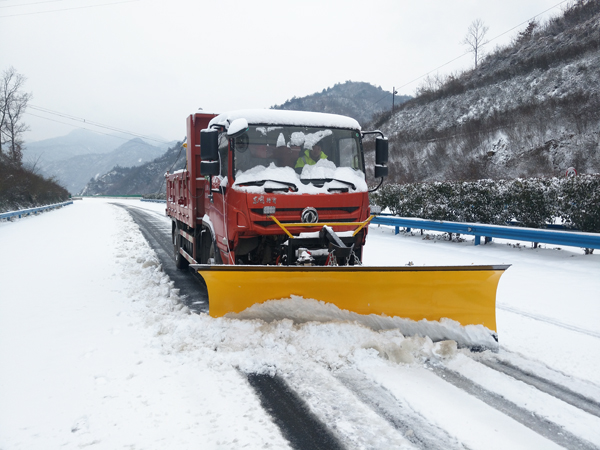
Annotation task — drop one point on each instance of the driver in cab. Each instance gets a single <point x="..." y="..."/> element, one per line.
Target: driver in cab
<point x="310" y="156"/>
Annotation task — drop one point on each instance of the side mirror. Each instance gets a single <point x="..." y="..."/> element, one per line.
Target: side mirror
<point x="237" y="128"/>
<point x="381" y="171"/>
<point x="381" y="151"/>
<point x="211" y="168"/>
<point x="381" y="157"/>
<point x="209" y="145"/>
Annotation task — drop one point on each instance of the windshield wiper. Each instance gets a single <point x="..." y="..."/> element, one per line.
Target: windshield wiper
<point x="291" y="186"/>
<point x="320" y="182"/>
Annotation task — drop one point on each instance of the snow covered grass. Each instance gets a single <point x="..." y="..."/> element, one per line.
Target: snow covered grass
<point x="97" y="349"/>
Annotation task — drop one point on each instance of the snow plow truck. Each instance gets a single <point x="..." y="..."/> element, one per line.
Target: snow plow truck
<point x="274" y="204"/>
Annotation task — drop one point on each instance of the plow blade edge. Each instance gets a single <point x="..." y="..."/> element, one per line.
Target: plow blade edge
<point x="466" y="294"/>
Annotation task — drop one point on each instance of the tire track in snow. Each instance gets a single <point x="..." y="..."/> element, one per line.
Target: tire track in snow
<point x="412" y="425"/>
<point x="540" y="425"/>
<point x="293" y="417"/>
<point x="550" y="321"/>
<point x="549" y="387"/>
<point x="192" y="289"/>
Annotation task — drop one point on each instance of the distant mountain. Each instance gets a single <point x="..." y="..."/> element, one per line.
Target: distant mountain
<point x="75" y="172"/>
<point x="361" y="101"/>
<point x="144" y="179"/>
<point x="529" y="109"/>
<point x="77" y="142"/>
<point x="358" y="100"/>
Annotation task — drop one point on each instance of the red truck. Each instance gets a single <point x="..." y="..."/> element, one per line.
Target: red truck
<point x="273" y="210"/>
<point x="252" y="194"/>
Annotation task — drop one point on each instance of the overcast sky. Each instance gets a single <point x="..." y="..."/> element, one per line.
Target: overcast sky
<point x="144" y="65"/>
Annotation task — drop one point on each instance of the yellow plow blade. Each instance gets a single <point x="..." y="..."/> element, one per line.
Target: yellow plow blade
<point x="466" y="294"/>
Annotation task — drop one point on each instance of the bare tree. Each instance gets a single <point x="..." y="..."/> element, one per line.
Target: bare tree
<point x="13" y="102"/>
<point x="475" y="38"/>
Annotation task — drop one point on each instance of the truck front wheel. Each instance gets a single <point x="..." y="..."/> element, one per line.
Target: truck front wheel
<point x="209" y="253"/>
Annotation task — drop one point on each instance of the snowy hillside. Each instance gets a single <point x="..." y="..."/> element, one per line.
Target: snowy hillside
<point x="531" y="109"/>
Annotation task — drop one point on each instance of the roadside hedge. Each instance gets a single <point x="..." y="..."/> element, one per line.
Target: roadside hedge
<point x="533" y="202"/>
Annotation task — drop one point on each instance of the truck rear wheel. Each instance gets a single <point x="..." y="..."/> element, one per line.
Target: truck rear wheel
<point x="180" y="262"/>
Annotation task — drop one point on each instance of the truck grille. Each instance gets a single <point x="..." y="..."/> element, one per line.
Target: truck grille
<point x="292" y="215"/>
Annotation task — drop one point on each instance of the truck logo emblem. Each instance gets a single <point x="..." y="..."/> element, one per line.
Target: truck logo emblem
<point x="309" y="215"/>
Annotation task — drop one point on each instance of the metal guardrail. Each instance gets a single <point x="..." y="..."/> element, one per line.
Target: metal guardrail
<point x="27" y="212"/>
<point x="133" y="196"/>
<point x="570" y="238"/>
<point x="154" y="200"/>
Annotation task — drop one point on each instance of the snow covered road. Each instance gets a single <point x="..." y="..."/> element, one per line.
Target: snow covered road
<point x="97" y="350"/>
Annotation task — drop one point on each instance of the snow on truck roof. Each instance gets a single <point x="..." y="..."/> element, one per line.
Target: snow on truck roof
<point x="285" y="117"/>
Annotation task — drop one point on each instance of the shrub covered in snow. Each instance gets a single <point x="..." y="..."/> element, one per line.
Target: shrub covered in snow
<point x="579" y="202"/>
<point x="532" y="202"/>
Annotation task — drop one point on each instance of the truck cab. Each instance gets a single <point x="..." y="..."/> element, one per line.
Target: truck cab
<point x="271" y="187"/>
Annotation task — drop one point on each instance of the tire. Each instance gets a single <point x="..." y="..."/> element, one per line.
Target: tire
<point x="180" y="262"/>
<point x="214" y="255"/>
<point x="209" y="252"/>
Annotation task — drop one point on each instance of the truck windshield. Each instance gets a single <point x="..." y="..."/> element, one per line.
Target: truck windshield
<point x="296" y="147"/>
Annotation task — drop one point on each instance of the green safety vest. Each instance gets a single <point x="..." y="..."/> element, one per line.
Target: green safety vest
<point x="306" y="159"/>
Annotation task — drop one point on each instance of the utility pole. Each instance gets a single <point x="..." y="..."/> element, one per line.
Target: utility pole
<point x="394" y="92"/>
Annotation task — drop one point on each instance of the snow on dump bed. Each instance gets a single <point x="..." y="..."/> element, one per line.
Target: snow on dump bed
<point x="281" y="117"/>
<point x="323" y="169"/>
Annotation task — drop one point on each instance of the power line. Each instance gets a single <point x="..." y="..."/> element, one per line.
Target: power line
<point x="75" y="126"/>
<point x="384" y="96"/>
<point x="527" y="21"/>
<point x="69" y="9"/>
<point x="494" y="38"/>
<point x="27" y="4"/>
<point x="88" y="122"/>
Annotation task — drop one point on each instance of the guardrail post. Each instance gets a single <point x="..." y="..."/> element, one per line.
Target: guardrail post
<point x="396" y="230"/>
<point x="477" y="240"/>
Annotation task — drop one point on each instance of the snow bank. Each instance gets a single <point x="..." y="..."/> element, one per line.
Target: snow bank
<point x="254" y="343"/>
<point x="302" y="310"/>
